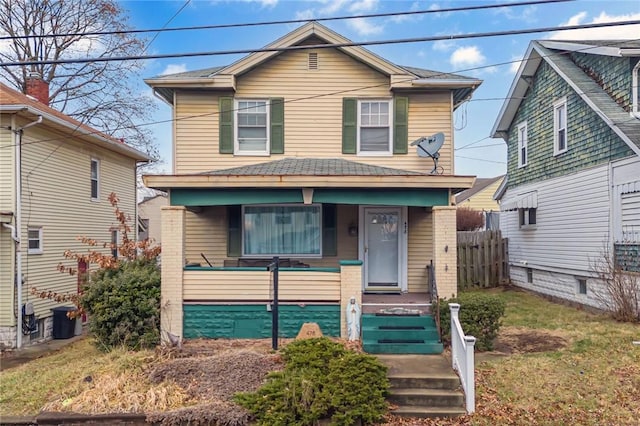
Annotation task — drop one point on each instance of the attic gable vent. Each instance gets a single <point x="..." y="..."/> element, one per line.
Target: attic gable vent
<point x="313" y="61"/>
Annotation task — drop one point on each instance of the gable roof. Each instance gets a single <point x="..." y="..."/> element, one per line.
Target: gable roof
<point x="481" y="183"/>
<point x="313" y="35"/>
<point x="13" y="101"/>
<point x="620" y="121"/>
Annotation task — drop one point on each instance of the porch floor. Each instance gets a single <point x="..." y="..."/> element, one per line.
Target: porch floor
<point x="375" y="302"/>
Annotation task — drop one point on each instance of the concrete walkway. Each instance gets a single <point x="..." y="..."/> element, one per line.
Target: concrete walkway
<point x="15" y="358"/>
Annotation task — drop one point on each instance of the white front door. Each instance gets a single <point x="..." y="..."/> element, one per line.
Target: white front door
<point x="382" y="248"/>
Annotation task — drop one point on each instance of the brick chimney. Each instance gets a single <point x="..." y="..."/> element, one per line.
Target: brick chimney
<point x="37" y="87"/>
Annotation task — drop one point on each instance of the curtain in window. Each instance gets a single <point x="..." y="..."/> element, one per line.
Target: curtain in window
<point x="282" y="230"/>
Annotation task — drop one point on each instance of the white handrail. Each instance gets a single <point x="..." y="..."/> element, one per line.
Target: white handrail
<point x="462" y="358"/>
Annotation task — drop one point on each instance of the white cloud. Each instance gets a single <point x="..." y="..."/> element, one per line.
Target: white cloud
<point x="264" y="3"/>
<point x="362" y="6"/>
<point x="526" y="14"/>
<point x="607" y="33"/>
<point x="365" y="27"/>
<point x="415" y="6"/>
<point x="174" y="69"/>
<point x="469" y="56"/>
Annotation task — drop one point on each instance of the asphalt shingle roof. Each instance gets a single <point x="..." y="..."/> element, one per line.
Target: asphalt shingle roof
<point x="313" y="167"/>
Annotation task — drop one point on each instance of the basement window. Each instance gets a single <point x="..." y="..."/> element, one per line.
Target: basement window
<point x="529" y="275"/>
<point x="582" y="285"/>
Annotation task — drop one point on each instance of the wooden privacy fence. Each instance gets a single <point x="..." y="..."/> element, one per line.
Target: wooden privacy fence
<point x="483" y="259"/>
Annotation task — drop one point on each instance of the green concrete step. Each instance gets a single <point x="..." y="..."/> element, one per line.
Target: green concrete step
<point x="375" y="347"/>
<point x="398" y="320"/>
<point x="420" y="333"/>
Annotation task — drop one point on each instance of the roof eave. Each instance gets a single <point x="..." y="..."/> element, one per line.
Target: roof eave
<point x="103" y="141"/>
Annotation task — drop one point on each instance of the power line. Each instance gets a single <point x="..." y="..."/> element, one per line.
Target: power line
<point x="323" y="46"/>
<point x="315" y="97"/>
<point x="481" y="159"/>
<point x="289" y="21"/>
<point x="480" y="147"/>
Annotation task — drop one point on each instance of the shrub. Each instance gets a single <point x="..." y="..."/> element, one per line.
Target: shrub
<point x="321" y="380"/>
<point x="479" y="315"/>
<point x="124" y="305"/>
<point x="468" y="219"/>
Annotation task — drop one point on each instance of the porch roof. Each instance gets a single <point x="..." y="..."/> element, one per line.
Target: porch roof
<point x="310" y="173"/>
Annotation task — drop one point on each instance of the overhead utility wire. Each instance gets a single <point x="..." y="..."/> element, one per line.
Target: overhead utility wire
<point x="324" y="46"/>
<point x="207" y="114"/>
<point x="289" y="21"/>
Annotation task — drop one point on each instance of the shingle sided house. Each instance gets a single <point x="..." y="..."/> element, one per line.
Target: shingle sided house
<point x="55" y="177"/>
<point x="572" y="193"/>
<point x="303" y="151"/>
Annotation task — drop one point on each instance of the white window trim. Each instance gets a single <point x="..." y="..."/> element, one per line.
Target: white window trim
<point x="635" y="86"/>
<point x="95" y="160"/>
<point x="523" y="144"/>
<point x="389" y="152"/>
<point x="236" y="143"/>
<point x="285" y="255"/>
<point x="525" y="213"/>
<point x="40" y="249"/>
<point x="560" y="103"/>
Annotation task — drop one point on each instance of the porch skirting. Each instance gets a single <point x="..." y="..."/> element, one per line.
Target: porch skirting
<point x="253" y="321"/>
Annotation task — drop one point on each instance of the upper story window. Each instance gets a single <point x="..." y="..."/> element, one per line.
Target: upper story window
<point x="252" y="131"/>
<point x="560" y="126"/>
<point x="34" y="237"/>
<point x="374" y="127"/>
<point x="522" y="144"/>
<point x="635" y="89"/>
<point x="95" y="179"/>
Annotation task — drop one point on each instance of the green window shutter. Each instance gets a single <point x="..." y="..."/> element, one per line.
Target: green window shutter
<point x="234" y="231"/>
<point x="349" y="125"/>
<point x="401" y="125"/>
<point x="226" y="125"/>
<point x="329" y="230"/>
<point x="277" y="125"/>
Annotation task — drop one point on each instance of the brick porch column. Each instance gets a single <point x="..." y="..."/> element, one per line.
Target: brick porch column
<point x="173" y="245"/>
<point x="350" y="286"/>
<point x="445" y="256"/>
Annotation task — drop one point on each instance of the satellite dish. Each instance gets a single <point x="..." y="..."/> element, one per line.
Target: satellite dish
<point x="429" y="147"/>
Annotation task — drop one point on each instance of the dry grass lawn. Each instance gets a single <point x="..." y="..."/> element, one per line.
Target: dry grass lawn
<point x="553" y="365"/>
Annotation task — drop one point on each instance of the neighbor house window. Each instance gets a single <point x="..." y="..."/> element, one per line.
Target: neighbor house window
<point x="529" y="275"/>
<point x="635" y="82"/>
<point x="34" y="237"/>
<point x="522" y="144"/>
<point x="282" y="230"/>
<point x="114" y="243"/>
<point x="560" y="126"/>
<point x="95" y="179"/>
<point x="527" y="217"/>
<point x="252" y="131"/>
<point x="582" y="285"/>
<point x="374" y="127"/>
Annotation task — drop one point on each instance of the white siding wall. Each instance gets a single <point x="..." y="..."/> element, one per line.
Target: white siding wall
<point x="150" y="210"/>
<point x="626" y="199"/>
<point x="572" y="223"/>
<point x="57" y="196"/>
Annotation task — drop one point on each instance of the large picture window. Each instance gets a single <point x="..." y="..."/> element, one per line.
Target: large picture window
<point x="282" y="230"/>
<point x="252" y="132"/>
<point x="374" y="126"/>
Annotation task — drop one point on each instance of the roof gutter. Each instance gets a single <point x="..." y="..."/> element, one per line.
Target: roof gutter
<point x="451" y="83"/>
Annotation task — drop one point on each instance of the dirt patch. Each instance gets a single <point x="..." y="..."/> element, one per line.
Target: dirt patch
<point x="516" y="340"/>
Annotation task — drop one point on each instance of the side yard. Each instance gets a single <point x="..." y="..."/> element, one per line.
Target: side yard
<point x="552" y="365"/>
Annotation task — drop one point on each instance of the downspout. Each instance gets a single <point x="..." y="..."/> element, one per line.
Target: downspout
<point x="18" y="231"/>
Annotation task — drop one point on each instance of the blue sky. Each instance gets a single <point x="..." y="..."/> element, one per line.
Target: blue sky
<point x="478" y="57"/>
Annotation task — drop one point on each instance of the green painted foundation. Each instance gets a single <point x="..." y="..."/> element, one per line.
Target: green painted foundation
<point x="254" y="321"/>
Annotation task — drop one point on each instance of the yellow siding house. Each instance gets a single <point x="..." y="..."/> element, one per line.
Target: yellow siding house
<point x="303" y="151"/>
<point x="55" y="177"/>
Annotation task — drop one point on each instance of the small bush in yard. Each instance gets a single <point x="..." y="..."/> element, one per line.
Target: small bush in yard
<point x="479" y="315"/>
<point x="321" y="380"/>
<point x="124" y="305"/>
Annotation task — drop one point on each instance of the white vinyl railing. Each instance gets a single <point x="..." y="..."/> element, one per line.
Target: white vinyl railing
<point x="462" y="358"/>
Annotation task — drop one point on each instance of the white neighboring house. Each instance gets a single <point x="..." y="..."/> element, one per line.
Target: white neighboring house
<point x="56" y="175"/>
<point x="572" y="192"/>
<point x="149" y="217"/>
